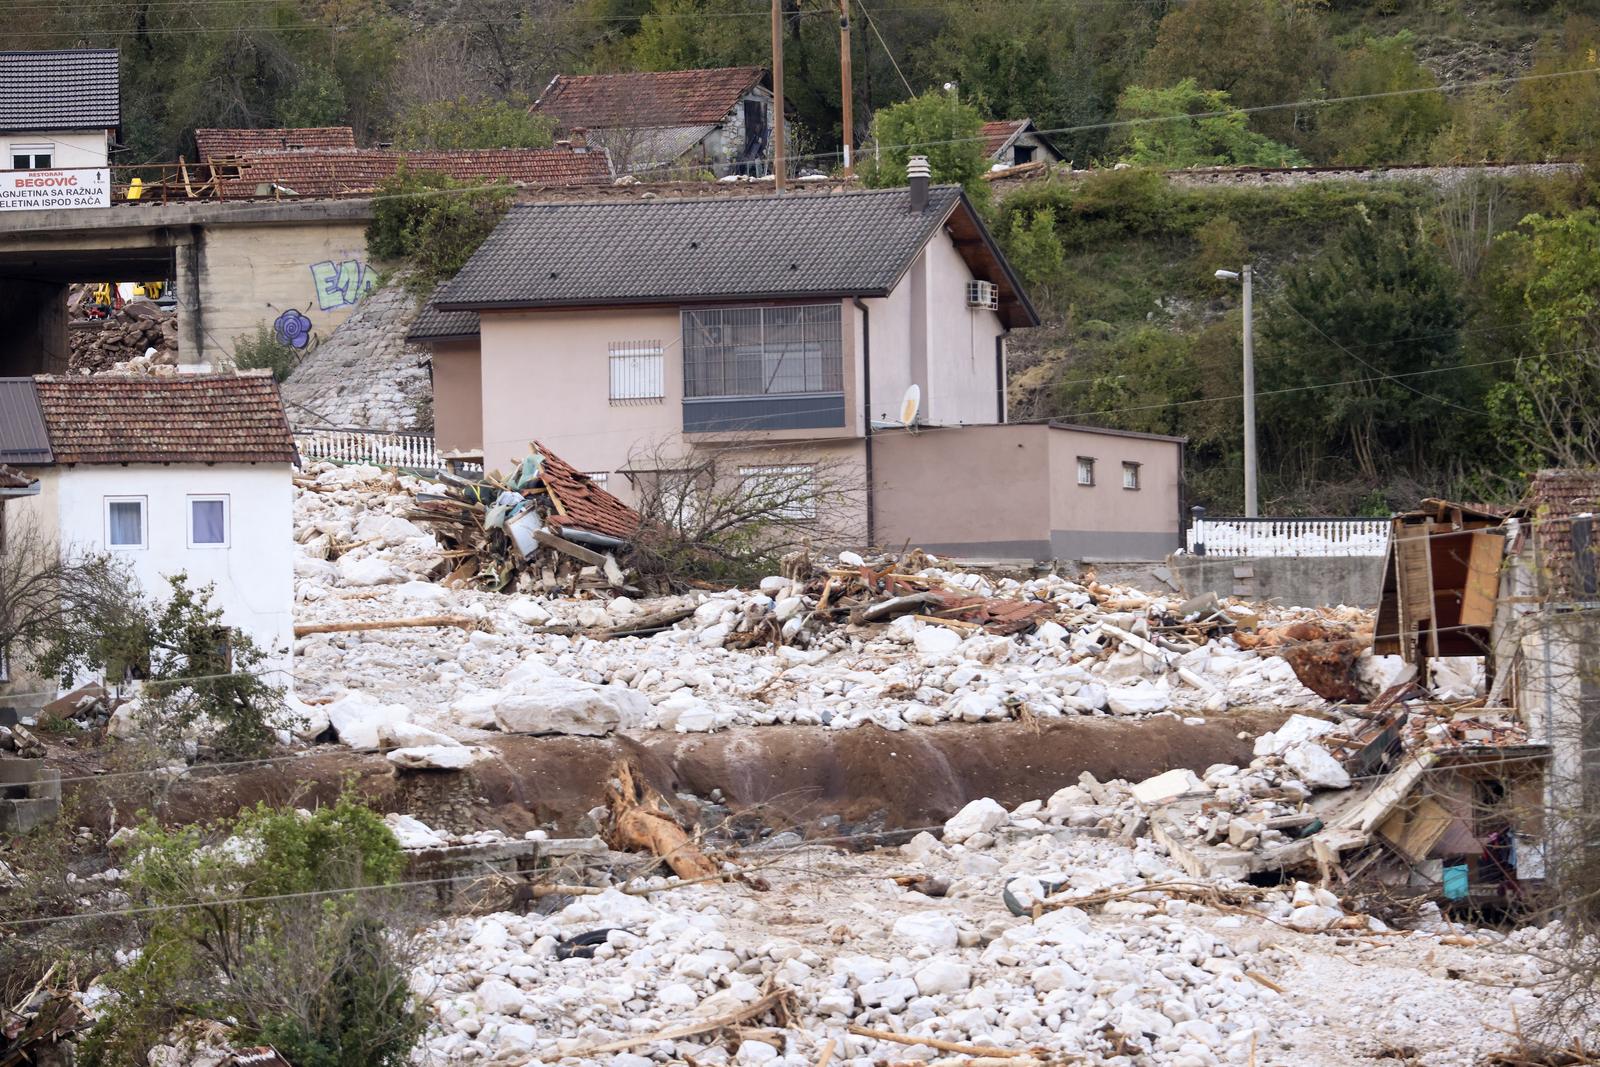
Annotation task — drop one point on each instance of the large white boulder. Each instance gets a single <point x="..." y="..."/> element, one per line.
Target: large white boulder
<point x="1316" y="767"/>
<point x="451" y="757"/>
<point x="410" y="735"/>
<point x="934" y="929"/>
<point x="1296" y="728"/>
<point x="978" y="817"/>
<point x="367" y="570"/>
<point x="556" y="705"/>
<point x="305" y="721"/>
<point x="1144" y="697"/>
<point x="939" y="976"/>
<point x="936" y="641"/>
<point x="356" y="718"/>
<point x="1168" y="786"/>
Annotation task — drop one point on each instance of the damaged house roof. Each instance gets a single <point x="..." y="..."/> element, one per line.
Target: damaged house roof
<point x="584" y="504"/>
<point x="646" y="99"/>
<point x="335" y="171"/>
<point x="213" y="144"/>
<point x="1555" y="498"/>
<point x="14" y="483"/>
<point x="200" y="418"/>
<point x="815" y="245"/>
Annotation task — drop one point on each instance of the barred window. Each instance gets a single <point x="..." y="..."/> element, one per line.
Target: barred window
<point x="638" y="371"/>
<point x="762" y="351"/>
<point x="782" y="492"/>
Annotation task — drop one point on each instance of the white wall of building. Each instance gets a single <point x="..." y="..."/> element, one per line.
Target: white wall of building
<point x="253" y="573"/>
<point x="69" y="148"/>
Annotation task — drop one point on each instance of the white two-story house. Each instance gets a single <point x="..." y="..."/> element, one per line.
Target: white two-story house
<point x="59" y="110"/>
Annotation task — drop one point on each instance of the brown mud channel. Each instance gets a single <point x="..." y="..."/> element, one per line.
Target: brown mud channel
<point x="785" y="776"/>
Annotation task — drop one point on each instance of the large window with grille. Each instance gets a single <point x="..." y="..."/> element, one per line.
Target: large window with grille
<point x="762" y="351"/>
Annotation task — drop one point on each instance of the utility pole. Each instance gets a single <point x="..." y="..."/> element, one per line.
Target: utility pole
<point x="1251" y="504"/>
<point x="777" y="97"/>
<point x="846" y="91"/>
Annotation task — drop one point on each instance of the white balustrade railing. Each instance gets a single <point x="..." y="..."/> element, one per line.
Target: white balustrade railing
<point x="1236" y="537"/>
<point x="362" y="446"/>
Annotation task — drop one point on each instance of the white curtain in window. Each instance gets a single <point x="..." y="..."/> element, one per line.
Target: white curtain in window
<point x="210" y="522"/>
<point x="127" y="522"/>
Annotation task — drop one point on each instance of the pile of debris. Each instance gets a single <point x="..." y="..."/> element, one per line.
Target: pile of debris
<point x="547" y="526"/>
<point x="1390" y="794"/>
<point x="39" y="1028"/>
<point x="137" y="337"/>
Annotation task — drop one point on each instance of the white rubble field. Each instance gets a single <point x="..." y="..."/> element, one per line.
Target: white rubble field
<point x="509" y="676"/>
<point x="1184" y="984"/>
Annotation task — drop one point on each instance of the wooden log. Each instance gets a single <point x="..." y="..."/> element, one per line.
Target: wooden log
<point x="466" y="622"/>
<point x="641" y="819"/>
<point x="941" y="1045"/>
<point x="774" y="999"/>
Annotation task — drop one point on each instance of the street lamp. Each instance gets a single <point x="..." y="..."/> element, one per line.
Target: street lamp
<point x="1250" y="503"/>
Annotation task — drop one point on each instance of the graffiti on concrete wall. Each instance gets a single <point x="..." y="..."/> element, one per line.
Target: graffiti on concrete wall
<point x="292" y="328"/>
<point x="342" y="284"/>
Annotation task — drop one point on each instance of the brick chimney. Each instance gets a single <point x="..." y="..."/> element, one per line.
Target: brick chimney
<point x="919" y="175"/>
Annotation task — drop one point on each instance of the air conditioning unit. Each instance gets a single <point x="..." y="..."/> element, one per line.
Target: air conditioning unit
<point x="983" y="295"/>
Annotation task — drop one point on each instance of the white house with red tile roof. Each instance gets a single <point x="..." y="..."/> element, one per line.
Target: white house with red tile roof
<point x="187" y="473"/>
<point x="1014" y="142"/>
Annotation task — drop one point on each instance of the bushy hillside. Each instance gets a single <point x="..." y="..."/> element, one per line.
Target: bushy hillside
<point x="1408" y="342"/>
<point x="1072" y="65"/>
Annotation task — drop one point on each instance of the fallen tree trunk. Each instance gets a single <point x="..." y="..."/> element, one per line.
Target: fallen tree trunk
<point x="466" y="622"/>
<point x="641" y="819"/>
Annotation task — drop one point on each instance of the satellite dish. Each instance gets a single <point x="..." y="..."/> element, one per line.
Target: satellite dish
<point x="910" y="403"/>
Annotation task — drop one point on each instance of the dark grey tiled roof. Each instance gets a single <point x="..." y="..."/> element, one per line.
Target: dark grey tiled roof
<point x="434" y="325"/>
<point x="74" y="90"/>
<point x="668" y="251"/>
<point x="23" y="440"/>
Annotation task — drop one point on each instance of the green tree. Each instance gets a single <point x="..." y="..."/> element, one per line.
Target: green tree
<point x="449" y="125"/>
<point x="1186" y="126"/>
<point x="433" y="223"/>
<point x="321" y="975"/>
<point x="1558" y="112"/>
<point x="1034" y="249"/>
<point x="1374" y="309"/>
<point x="1259" y="52"/>
<point x="937" y="125"/>
<point x="1547" y="407"/>
<point x="203" y="681"/>
<point x="1384" y="129"/>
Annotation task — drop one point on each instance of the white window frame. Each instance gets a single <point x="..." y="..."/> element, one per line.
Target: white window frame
<point x="795" y="511"/>
<point x="33" y="151"/>
<point x="227" y="519"/>
<point x="1086" y="466"/>
<point x="144" y="522"/>
<point x="1130" y="474"/>
<point x="638" y="371"/>
<point x="599" y="478"/>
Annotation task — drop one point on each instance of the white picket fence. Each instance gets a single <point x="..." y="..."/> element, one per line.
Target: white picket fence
<point x="1235" y="537"/>
<point x="363" y="446"/>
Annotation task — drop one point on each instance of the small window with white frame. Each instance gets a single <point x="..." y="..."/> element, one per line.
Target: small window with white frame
<point x="125" y="522"/>
<point x="208" y="521"/>
<point x="783" y="492"/>
<point x="1085" y="470"/>
<point x="32" y="156"/>
<point x="1130" y="475"/>
<point x="599" y="478"/>
<point x="638" y="371"/>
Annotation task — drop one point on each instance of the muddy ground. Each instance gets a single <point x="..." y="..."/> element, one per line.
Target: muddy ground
<point x="788" y="776"/>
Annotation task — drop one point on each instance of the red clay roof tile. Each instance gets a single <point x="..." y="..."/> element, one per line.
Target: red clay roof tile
<point x="190" y="418"/>
<point x="585" y="505"/>
<point x="334" y="172"/>
<point x="214" y="144"/>
<point x="646" y="99"/>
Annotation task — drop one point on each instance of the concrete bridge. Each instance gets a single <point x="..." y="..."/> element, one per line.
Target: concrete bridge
<point x="235" y="266"/>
